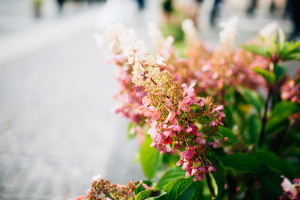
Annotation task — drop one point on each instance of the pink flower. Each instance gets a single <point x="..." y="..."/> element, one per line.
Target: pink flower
<point x="177" y="128"/>
<point x="180" y="162"/>
<point x="214" y="144"/>
<point x="81" y="197"/>
<point x="169" y="103"/>
<point x="200" y="140"/>
<point x="146" y="101"/>
<point x="211" y="168"/>
<point x="168" y="133"/>
<point x="289" y="188"/>
<point x="170" y="116"/>
<point x="155" y="115"/>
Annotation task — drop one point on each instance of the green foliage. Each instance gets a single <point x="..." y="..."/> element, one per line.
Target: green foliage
<point x="183" y="189"/>
<point x="141" y="188"/>
<point x="252" y="98"/>
<point x="276" y="125"/>
<point x="284" y="50"/>
<point x="150" y="194"/>
<point x="129" y="134"/>
<point x="171" y="174"/>
<point x="256" y="50"/>
<point x="280" y="72"/>
<point x="279" y="119"/>
<point x="275" y="163"/>
<point x="268" y="76"/>
<point x="285" y="109"/>
<point x="174" y="30"/>
<point x="270" y="184"/>
<point x="226" y="132"/>
<point x="254" y="126"/>
<point x="243" y="163"/>
<point x="150" y="158"/>
<point x="218" y="177"/>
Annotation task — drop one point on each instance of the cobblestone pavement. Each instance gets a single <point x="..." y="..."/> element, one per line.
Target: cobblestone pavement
<point x="56" y="127"/>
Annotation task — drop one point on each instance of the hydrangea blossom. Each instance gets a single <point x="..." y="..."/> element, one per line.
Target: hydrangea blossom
<point x="103" y="189"/>
<point x="291" y="191"/>
<point x="118" y="42"/>
<point x="179" y="121"/>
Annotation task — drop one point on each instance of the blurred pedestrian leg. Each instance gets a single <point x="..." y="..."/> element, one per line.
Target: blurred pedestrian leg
<point x="214" y="12"/>
<point x="60" y="4"/>
<point x="250" y="10"/>
<point x="295" y="16"/>
<point x="141" y="4"/>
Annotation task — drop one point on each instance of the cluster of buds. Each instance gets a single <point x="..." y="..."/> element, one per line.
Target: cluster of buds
<point x="291" y="191"/>
<point x="103" y="189"/>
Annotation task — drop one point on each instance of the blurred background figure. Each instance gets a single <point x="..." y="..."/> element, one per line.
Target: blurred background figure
<point x="252" y="7"/>
<point x="141" y="4"/>
<point x="293" y="11"/>
<point x="60" y="4"/>
<point x="214" y="12"/>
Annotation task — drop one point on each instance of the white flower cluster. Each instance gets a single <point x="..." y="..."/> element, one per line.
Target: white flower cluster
<point x="156" y="35"/>
<point x="122" y="40"/>
<point x="190" y="32"/>
<point x="227" y="35"/>
<point x="97" y="177"/>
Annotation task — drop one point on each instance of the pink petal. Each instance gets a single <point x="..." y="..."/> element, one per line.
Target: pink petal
<point x="146" y="101"/>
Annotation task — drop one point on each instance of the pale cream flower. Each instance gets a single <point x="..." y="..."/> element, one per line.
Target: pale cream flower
<point x="97" y="177"/>
<point x="227" y="35"/>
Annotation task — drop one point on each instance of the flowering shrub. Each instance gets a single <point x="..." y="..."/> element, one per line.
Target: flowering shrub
<point x="201" y="119"/>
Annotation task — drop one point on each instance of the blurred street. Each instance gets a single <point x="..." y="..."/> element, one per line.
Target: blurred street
<point x="57" y="129"/>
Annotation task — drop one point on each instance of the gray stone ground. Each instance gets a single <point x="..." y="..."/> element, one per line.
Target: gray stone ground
<point x="56" y="127"/>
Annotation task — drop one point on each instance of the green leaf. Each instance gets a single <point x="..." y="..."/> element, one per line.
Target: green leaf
<point x="218" y="176"/>
<point x="183" y="189"/>
<point x="262" y="38"/>
<point x="276" y="125"/>
<point x="150" y="194"/>
<point x="129" y="134"/>
<point x="243" y="163"/>
<point x="252" y="98"/>
<point x="256" y="50"/>
<point x="171" y="159"/>
<point x="228" y="111"/>
<point x="150" y="158"/>
<point x="254" y="127"/>
<point x="285" y="109"/>
<point x="274" y="162"/>
<point x="280" y="72"/>
<point x="297" y="171"/>
<point x="293" y="151"/>
<point x="270" y="185"/>
<point x="141" y="188"/>
<point x="279" y="119"/>
<point x="169" y="176"/>
<point x="281" y="37"/>
<point x="228" y="133"/>
<point x="268" y="76"/>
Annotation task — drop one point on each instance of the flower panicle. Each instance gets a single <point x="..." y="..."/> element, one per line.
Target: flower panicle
<point x="103" y="189"/>
<point x="173" y="112"/>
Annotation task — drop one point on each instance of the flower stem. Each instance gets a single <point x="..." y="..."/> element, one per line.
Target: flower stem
<point x="210" y="187"/>
<point x="264" y="119"/>
<point x="274" y="60"/>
